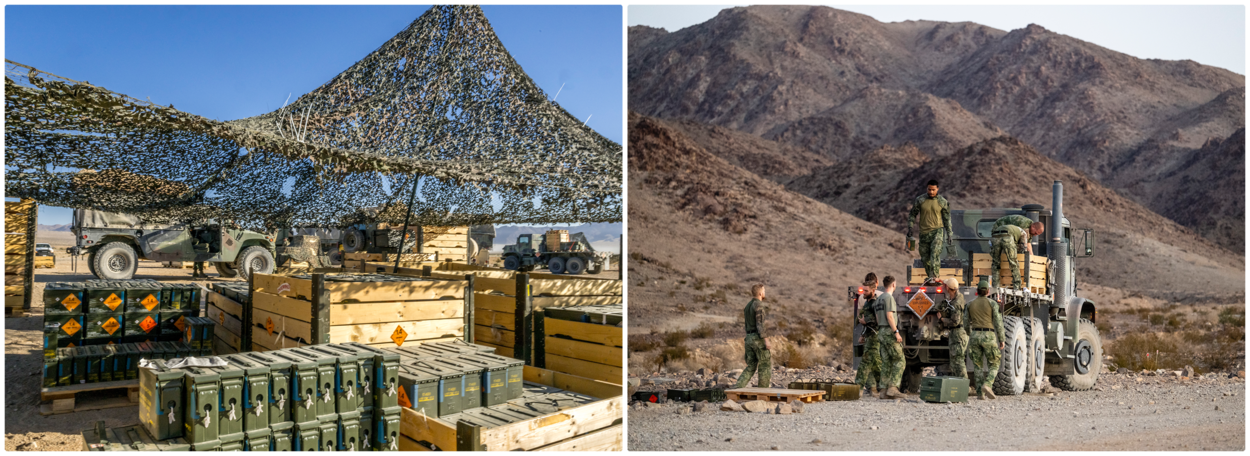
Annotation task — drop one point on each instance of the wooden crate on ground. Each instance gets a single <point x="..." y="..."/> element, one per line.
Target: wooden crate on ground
<point x="232" y="333"/>
<point x="95" y="396"/>
<point x="372" y="309"/>
<point x="20" y="219"/>
<point x="594" y="426"/>
<point x="590" y="347"/>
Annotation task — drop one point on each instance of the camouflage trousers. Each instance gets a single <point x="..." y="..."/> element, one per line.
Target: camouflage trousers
<point x="758" y="357"/>
<point x="869" y="373"/>
<point x="958" y="352"/>
<point x="892" y="362"/>
<point x="1004" y="246"/>
<point x="931" y="251"/>
<point x="198" y="268"/>
<point x="984" y="349"/>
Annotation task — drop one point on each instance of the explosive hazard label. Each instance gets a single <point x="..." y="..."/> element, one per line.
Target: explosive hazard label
<point x="181" y="324"/>
<point x="71" y="327"/>
<point x="920" y="303"/>
<point x="70" y="302"/>
<point x="403" y="398"/>
<point x="111" y="326"/>
<point x="399" y="335"/>
<point x="269" y="325"/>
<point x="147" y="324"/>
<point x="113" y="301"/>
<point x="150" y="302"/>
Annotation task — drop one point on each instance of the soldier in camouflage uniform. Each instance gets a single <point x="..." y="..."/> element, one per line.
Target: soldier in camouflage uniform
<point x="934" y="215"/>
<point x="1005" y="239"/>
<point x="757" y="354"/>
<point x="1014" y="219"/>
<point x="986" y="344"/>
<point x="892" y="362"/>
<point x="868" y="376"/>
<point x="952" y="315"/>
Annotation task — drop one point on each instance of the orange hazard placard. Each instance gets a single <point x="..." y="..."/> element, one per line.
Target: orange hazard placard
<point x="920" y="303"/>
<point x="111" y="326"/>
<point x="148" y="323"/>
<point x="181" y="324"/>
<point x="113" y="301"/>
<point x="150" y="302"/>
<point x="221" y="318"/>
<point x="269" y="325"/>
<point x="71" y="327"/>
<point x="403" y="398"/>
<point x="399" y="335"/>
<point x="70" y="302"/>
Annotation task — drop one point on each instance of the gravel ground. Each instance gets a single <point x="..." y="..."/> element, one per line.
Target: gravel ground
<point x="1125" y="412"/>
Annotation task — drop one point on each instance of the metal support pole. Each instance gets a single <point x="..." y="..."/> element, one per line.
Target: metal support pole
<point x="412" y="199"/>
<point x="468" y="308"/>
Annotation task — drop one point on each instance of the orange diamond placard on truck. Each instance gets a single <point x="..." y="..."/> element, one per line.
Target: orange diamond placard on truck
<point x="920" y="303"/>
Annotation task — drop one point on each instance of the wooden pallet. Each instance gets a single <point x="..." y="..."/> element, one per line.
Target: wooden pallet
<point x="774" y="395"/>
<point x="14" y="312"/>
<point x="60" y="399"/>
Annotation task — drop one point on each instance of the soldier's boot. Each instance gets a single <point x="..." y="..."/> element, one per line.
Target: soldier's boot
<point x="989" y="392"/>
<point x="874" y="391"/>
<point x="981" y="393"/>
<point x="893" y="393"/>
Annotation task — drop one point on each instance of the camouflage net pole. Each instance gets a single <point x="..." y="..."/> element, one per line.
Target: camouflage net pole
<point x="442" y="102"/>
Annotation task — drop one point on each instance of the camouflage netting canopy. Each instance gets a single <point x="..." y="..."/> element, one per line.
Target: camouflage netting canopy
<point x="442" y="102"/>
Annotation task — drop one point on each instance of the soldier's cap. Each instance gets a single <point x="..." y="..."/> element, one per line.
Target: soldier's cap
<point x="984" y="284"/>
<point x="952" y="284"/>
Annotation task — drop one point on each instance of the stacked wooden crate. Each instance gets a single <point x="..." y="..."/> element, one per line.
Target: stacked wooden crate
<point x="585" y="339"/>
<point x="295" y="310"/>
<point x="450" y="243"/>
<point x="555" y="238"/>
<point x="19" y="255"/>
<point x="918" y="275"/>
<point x="1032" y="270"/>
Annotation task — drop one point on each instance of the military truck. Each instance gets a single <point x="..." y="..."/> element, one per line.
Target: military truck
<point x="114" y="243"/>
<point x="364" y="234"/>
<point x="532" y="251"/>
<point x="1049" y="329"/>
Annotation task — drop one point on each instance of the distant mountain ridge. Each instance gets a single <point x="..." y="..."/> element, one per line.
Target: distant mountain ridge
<point x="64" y="227"/>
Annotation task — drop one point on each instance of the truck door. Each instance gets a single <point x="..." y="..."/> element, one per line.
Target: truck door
<point x="172" y="244"/>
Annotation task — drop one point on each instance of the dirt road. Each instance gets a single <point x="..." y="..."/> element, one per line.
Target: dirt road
<point x="1155" y="413"/>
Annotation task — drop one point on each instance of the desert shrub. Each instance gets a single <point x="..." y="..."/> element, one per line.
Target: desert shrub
<point x="1176" y="320"/>
<point x="1234" y="316"/>
<point x="675" y="338"/>
<point x="1104" y="328"/>
<point x="642" y="344"/>
<point x="1148" y="351"/>
<point x="1156" y="319"/>
<point x="674" y="353"/>
<point x="704" y="331"/>
<point x="802" y="333"/>
<point x="731" y="356"/>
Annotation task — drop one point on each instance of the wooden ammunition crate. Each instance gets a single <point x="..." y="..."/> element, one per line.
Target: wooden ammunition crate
<point x="594" y="426"/>
<point x="590" y="349"/>
<point x="289" y="311"/>
<point x="231" y="334"/>
<point x="1032" y="270"/>
<point x="20" y="219"/>
<point x="918" y="275"/>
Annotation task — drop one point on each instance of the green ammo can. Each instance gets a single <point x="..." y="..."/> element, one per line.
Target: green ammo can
<point x="838" y="391"/>
<point x="202" y="392"/>
<point x="349" y="431"/>
<point x="63" y="298"/>
<point x="471" y="391"/>
<point x="132" y="438"/>
<point x="257" y="440"/>
<point x="161" y="399"/>
<point x="386" y="429"/>
<point x="69" y="329"/>
<point x="280" y="436"/>
<point x="418" y="390"/>
<point x="143" y="296"/>
<point x="128" y="360"/>
<point x="329" y="429"/>
<point x="303" y="403"/>
<point x="108" y="363"/>
<point x="102" y="328"/>
<point x="106" y="299"/>
<point x="364" y="372"/>
<point x="173" y="323"/>
<point x="232" y="442"/>
<point x="385" y="376"/>
<point x="346" y="377"/>
<point x="683" y="395"/>
<point x="326" y="373"/>
<point x="279" y="393"/>
<point x="80" y="365"/>
<point x="944" y="389"/>
<point x="50" y="333"/>
<point x="450" y="386"/>
<point x="51" y="371"/>
<point x="142" y="325"/>
<point x="65" y="366"/>
<point x="307" y="436"/>
<point x="461" y="347"/>
<point x="366" y="429"/>
<point x="93" y="355"/>
<point x="229" y="403"/>
<point x="255" y="392"/>
<point x="168" y="351"/>
<point x="494" y="379"/>
<point x="516" y="373"/>
<point x="98" y="438"/>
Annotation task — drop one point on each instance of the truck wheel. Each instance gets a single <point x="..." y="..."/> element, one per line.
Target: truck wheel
<point x="226" y="270"/>
<point x="254" y="259"/>
<point x="1013" y="369"/>
<point x="116" y="261"/>
<point x="1035" y="334"/>
<point x="512" y="263"/>
<point x="353" y="240"/>
<point x="596" y="268"/>
<point x="556" y="265"/>
<point x="336" y="258"/>
<point x="575" y="265"/>
<point x="1087" y="358"/>
<point x="91" y="264"/>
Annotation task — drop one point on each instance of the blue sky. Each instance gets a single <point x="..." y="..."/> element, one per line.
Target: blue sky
<point x="230" y="62"/>
<point x="1209" y="34"/>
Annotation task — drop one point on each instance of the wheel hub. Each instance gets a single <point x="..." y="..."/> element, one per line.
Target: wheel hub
<point x="1039" y="354"/>
<point x="1019" y="358"/>
<point x="117" y="263"/>
<point x="1084" y="356"/>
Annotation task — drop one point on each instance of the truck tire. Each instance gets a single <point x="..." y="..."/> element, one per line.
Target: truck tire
<point x="575" y="265"/>
<point x="556" y="265"/>
<point x="335" y="257"/>
<point x="226" y="270"/>
<point x="116" y="261"/>
<point x="91" y="264"/>
<point x="1035" y="334"/>
<point x="595" y="268"/>
<point x="353" y="240"/>
<point x="254" y="259"/>
<point x="511" y="263"/>
<point x="1087" y="357"/>
<point x="1014" y="368"/>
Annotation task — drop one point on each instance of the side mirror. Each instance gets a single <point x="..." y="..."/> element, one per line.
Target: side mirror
<point x="1088" y="243"/>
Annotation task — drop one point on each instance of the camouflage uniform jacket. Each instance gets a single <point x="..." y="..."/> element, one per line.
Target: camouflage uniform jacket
<point x="754" y="315"/>
<point x="982" y="313"/>
<point x="868" y="313"/>
<point x="953" y="312"/>
<point x="1015" y="219"/>
<point x="916" y="212"/>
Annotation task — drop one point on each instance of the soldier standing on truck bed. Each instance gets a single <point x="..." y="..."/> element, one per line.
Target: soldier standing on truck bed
<point x="892" y="362"/>
<point x="757" y="353"/>
<point x="1005" y="239"/>
<point x="986" y="324"/>
<point x="868" y="376"/>
<point x="952" y="314"/>
<point x="935" y="225"/>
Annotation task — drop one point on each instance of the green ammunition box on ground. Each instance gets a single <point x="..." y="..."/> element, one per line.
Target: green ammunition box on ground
<point x="349" y="431"/>
<point x="202" y="389"/>
<point x="107" y="363"/>
<point x="50" y="333"/>
<point x="143" y="297"/>
<point x="386" y="429"/>
<point x="709" y="395"/>
<point x="385" y="376"/>
<point x="326" y="373"/>
<point x="366" y="429"/>
<point x="450" y="386"/>
<point x="303" y="404"/>
<point x="329" y="429"/>
<point x="255" y="392"/>
<point x="132" y="438"/>
<point x="102" y="328"/>
<point x="516" y="373"/>
<point x="364" y="373"/>
<point x="161" y="399"/>
<point x="80" y="365"/>
<point x="418" y="390"/>
<point x="471" y="391"/>
<point x="257" y="440"/>
<point x="944" y="389"/>
<point x="144" y="325"/>
<point x="280" y="438"/>
<point x="307" y="436"/>
<point x="347" y="369"/>
<point x="93" y="355"/>
<point x="679" y="395"/>
<point x="230" y="403"/>
<point x="68" y="334"/>
<point x="63" y="298"/>
<point x="98" y="439"/>
<point x="494" y="378"/>
<point x="648" y="396"/>
<point x="65" y="366"/>
<point x="104" y="299"/>
<point x="279" y="396"/>
<point x="127" y="359"/>
<point x="51" y="371"/>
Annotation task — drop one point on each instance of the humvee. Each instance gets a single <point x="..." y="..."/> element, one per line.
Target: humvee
<point x="1049" y="329"/>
